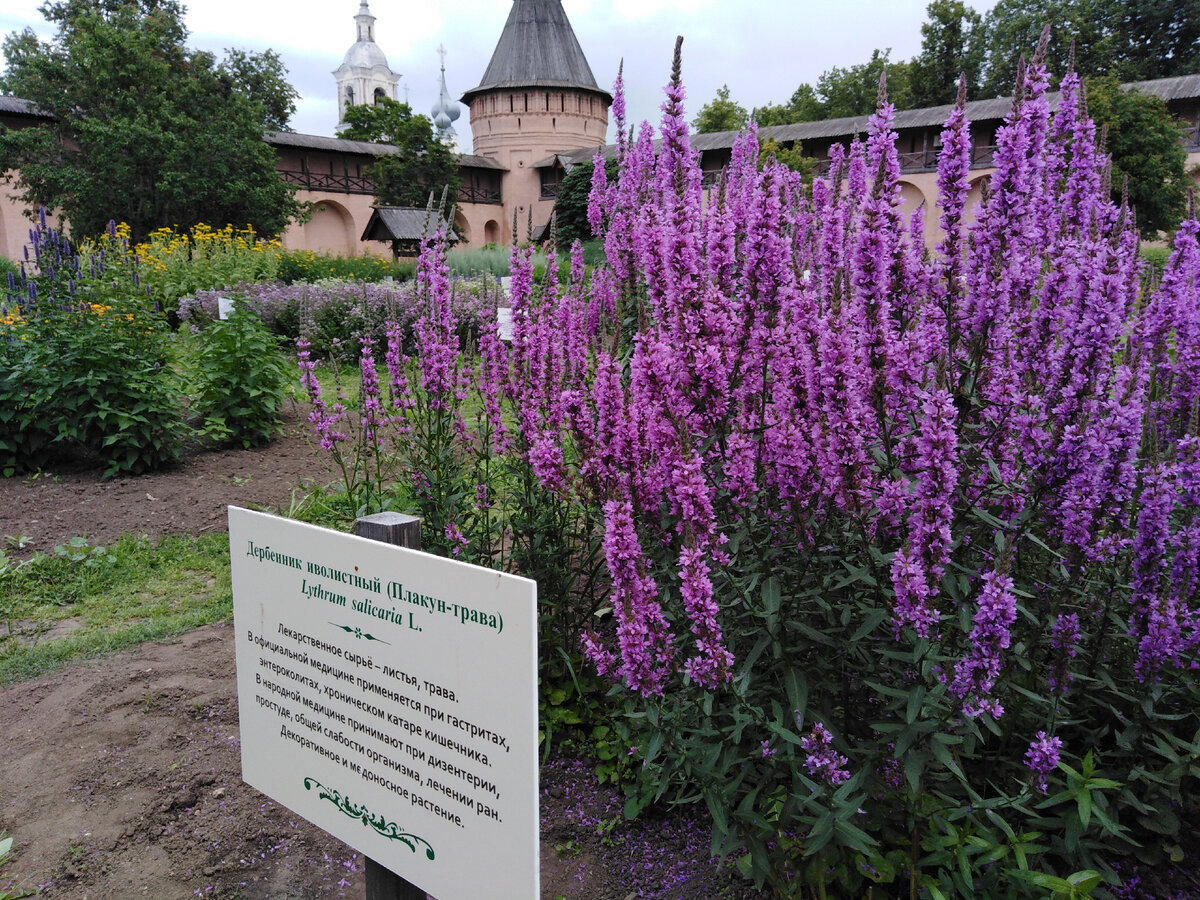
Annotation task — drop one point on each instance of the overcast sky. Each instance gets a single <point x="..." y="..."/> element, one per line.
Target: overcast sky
<point x="761" y="48"/>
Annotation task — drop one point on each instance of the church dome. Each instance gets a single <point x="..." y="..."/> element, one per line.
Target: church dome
<point x="366" y="55"/>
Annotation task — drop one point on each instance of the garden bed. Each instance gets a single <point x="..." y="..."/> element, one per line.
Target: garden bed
<point x="122" y="775"/>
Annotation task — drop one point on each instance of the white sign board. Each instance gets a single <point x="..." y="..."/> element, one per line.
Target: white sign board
<point x="224" y="307"/>
<point x="504" y="323"/>
<point x="390" y="697"/>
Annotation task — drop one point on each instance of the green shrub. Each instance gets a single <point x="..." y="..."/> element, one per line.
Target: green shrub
<point x="86" y="362"/>
<point x="241" y="380"/>
<point x="307" y="266"/>
<point x="1156" y="260"/>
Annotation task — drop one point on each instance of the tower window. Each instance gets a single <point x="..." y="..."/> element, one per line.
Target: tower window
<point x="379" y="95"/>
<point x="349" y="96"/>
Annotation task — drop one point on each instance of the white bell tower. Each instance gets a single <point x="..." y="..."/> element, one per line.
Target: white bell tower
<point x="364" y="75"/>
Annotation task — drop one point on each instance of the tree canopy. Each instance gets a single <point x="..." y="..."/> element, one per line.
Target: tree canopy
<point x="143" y="129"/>
<point x="571" y="207"/>
<point x="423" y="164"/>
<point x="951" y="46"/>
<point x="1143" y="141"/>
<point x="721" y="114"/>
<point x="1131" y="40"/>
<point x="805" y="106"/>
<point x="853" y="91"/>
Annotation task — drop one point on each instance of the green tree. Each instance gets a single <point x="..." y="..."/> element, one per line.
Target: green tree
<point x="854" y="91"/>
<point x="1132" y="40"/>
<point x="1143" y="139"/>
<point x="571" y="207"/>
<point x="1155" y="38"/>
<point x="143" y="129"/>
<point x="793" y="157"/>
<point x="1013" y="28"/>
<point x="721" y="114"/>
<point x="951" y="44"/>
<point x="422" y="163"/>
<point x="805" y="106"/>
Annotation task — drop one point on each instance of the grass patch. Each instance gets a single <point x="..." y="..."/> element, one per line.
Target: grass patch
<point x="84" y="601"/>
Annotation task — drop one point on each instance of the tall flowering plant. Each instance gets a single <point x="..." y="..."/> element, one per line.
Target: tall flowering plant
<point x="85" y="361"/>
<point x="892" y="534"/>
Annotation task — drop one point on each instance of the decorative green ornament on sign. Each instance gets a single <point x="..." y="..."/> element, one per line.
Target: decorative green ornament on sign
<point x="388" y="829"/>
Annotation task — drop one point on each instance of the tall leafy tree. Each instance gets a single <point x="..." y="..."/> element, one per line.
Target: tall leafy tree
<point x="1013" y="28"/>
<point x="721" y="114"/>
<point x="805" y="106"/>
<point x="1155" y="38"/>
<point x="951" y="45"/>
<point x="422" y="163"/>
<point x="853" y="91"/>
<point x="1131" y="40"/>
<point x="143" y="129"/>
<point x="1143" y="140"/>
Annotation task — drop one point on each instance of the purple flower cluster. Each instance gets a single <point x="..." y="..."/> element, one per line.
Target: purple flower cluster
<point x="344" y="310"/>
<point x="324" y="418"/>
<point x="772" y="353"/>
<point x="822" y="761"/>
<point x="1042" y="757"/>
<point x="976" y="673"/>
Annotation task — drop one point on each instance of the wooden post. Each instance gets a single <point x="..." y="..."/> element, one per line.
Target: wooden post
<point x="402" y="531"/>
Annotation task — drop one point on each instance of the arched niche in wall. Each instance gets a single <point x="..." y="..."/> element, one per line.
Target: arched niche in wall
<point x="975" y="196"/>
<point x="912" y="197"/>
<point x="331" y="229"/>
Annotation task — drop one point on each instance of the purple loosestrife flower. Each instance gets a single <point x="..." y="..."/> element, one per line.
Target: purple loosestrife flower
<point x="1166" y="563"/>
<point x="373" y="415"/>
<point x="954" y="184"/>
<point x="822" y="761"/>
<point x="599" y="207"/>
<point x="323" y="418"/>
<point x="976" y="673"/>
<point x="1171" y="334"/>
<point x="918" y="571"/>
<point x="713" y="663"/>
<point x="1042" y="758"/>
<point x="457" y="540"/>
<point x="436" y="331"/>
<point x="493" y="366"/>
<point x="611" y="456"/>
<point x="643" y="635"/>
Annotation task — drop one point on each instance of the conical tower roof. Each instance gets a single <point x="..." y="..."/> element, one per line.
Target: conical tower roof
<point x="537" y="49"/>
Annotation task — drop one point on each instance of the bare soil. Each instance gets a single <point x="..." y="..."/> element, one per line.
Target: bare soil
<point x="51" y="507"/>
<point x="121" y="777"/>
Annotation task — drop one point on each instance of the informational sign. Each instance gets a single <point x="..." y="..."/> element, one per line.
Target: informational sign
<point x="224" y="307"/>
<point x="390" y="697"/>
<point x="504" y="323"/>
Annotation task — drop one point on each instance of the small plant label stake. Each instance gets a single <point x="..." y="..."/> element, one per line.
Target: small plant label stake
<point x="390" y="697"/>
